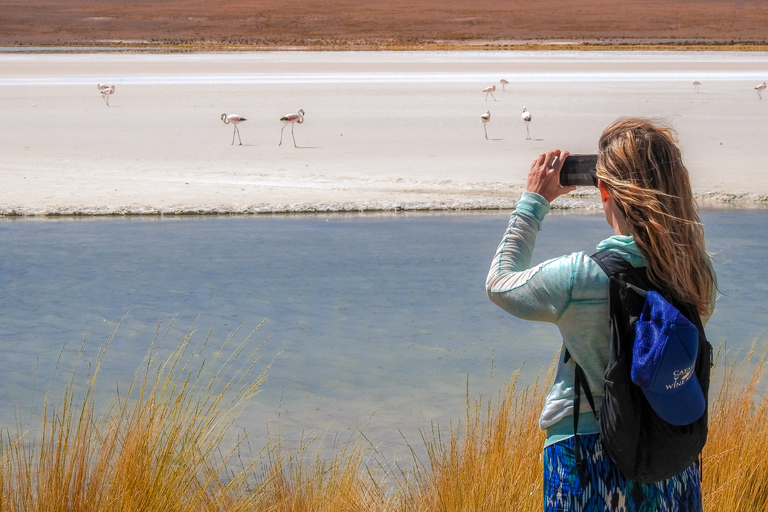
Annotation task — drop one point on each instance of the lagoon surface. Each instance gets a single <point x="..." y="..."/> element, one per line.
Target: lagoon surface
<point x="375" y="322"/>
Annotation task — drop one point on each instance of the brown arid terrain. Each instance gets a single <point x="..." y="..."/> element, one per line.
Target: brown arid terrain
<point x="337" y="24"/>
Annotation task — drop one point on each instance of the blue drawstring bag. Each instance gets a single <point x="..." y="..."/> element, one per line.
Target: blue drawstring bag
<point x="664" y="359"/>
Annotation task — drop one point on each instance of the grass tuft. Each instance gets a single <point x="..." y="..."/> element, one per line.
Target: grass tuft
<point x="735" y="468"/>
<point x="492" y="462"/>
<point x="156" y="447"/>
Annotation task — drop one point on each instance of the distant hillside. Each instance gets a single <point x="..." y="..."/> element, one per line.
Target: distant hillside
<point x="381" y="22"/>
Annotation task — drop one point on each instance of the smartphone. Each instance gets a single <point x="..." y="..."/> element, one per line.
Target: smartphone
<point x="579" y="170"/>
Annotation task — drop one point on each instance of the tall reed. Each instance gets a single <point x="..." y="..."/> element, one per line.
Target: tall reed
<point x="735" y="468"/>
<point x="157" y="447"/>
<point x="346" y="480"/>
<point x="491" y="462"/>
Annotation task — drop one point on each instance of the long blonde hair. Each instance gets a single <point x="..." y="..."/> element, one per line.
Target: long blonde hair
<point x="641" y="166"/>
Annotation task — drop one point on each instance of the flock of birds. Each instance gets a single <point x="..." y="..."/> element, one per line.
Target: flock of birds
<point x="759" y="88"/>
<point x="526" y="116"/>
<point x="106" y="91"/>
<point x="298" y="117"/>
<point x="292" y="119"/>
<point x="485" y="118"/>
<point x="233" y="119"/>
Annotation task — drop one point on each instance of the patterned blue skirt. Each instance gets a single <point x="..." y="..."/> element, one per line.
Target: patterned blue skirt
<point x="605" y="488"/>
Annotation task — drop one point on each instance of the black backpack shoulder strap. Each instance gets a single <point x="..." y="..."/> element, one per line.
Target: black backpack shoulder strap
<point x="614" y="265"/>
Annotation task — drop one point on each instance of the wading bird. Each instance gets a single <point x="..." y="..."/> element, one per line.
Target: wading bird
<point x="526" y="117"/>
<point x="484" y="119"/>
<point x="504" y="83"/>
<point x="489" y="90"/>
<point x="760" y="88"/>
<point x="107" y="92"/>
<point x="292" y="119"/>
<point x="103" y="86"/>
<point x="696" y="85"/>
<point x="234" y="120"/>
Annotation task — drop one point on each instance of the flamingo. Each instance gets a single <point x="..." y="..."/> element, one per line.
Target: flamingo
<point x="503" y="84"/>
<point x="526" y="117"/>
<point x="484" y="119"/>
<point x="292" y="119"/>
<point x="760" y="88"/>
<point x="103" y="86"/>
<point x="106" y="92"/>
<point x="489" y="90"/>
<point x="234" y="119"/>
<point x="696" y="85"/>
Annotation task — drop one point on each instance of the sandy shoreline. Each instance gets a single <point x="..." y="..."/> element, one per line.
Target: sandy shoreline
<point x="383" y="130"/>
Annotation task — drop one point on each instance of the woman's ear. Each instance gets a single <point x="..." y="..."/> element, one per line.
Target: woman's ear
<point x="604" y="195"/>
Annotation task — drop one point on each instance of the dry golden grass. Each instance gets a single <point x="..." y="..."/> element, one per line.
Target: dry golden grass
<point x="492" y="462"/>
<point x="736" y="455"/>
<point x="159" y="447"/>
<point x="301" y="481"/>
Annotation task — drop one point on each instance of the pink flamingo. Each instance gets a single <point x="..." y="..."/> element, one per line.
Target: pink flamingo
<point x="696" y="85"/>
<point x="489" y="90"/>
<point x="234" y="120"/>
<point x="103" y="86"/>
<point x="526" y="118"/>
<point x="106" y="92"/>
<point x="484" y="119"/>
<point x="292" y="119"/>
<point x="760" y="88"/>
<point x="504" y="83"/>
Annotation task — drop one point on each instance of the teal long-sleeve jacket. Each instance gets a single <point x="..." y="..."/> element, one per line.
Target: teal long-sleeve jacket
<point x="571" y="292"/>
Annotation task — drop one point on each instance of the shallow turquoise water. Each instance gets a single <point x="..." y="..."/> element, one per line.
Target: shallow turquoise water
<point x="377" y="322"/>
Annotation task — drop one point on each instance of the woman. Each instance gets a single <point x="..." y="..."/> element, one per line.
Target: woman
<point x="647" y="200"/>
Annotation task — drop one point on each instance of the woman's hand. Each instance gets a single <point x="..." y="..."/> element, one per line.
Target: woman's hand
<point x="544" y="175"/>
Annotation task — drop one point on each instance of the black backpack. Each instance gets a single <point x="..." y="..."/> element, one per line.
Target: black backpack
<point x="644" y="446"/>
